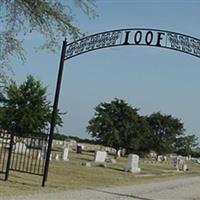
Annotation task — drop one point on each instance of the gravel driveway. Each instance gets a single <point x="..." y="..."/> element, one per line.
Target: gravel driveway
<point x="179" y="189"/>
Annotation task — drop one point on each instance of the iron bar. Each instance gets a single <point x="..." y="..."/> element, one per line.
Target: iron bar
<point x="54" y="112"/>
<point x="9" y="155"/>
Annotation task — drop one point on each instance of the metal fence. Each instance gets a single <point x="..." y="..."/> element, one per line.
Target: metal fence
<point x="23" y="154"/>
<point x="4" y="149"/>
<point x="29" y="154"/>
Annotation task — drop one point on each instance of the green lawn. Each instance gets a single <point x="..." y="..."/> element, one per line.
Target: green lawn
<point x="72" y="175"/>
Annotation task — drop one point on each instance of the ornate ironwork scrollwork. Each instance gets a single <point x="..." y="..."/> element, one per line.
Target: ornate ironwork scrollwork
<point x="184" y="43"/>
<point x="142" y="37"/>
<point x="92" y="42"/>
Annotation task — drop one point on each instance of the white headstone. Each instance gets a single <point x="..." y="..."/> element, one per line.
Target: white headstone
<point x="153" y="154"/>
<point x="100" y="156"/>
<point x="165" y="158"/>
<point x="20" y="147"/>
<point x="39" y="156"/>
<point x="133" y="163"/>
<point x="185" y="168"/>
<point x="44" y="153"/>
<point x="119" y="153"/>
<point x="123" y="152"/>
<point x="160" y="158"/>
<point x="65" y="154"/>
<point x="50" y="158"/>
<point x="179" y="164"/>
<point x="57" y="157"/>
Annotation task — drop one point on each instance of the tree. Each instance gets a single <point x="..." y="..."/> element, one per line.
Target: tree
<point x="164" y="130"/>
<point x="52" y="19"/>
<point x="196" y="152"/>
<point x="186" y="145"/>
<point x="25" y="108"/>
<point x="116" y="124"/>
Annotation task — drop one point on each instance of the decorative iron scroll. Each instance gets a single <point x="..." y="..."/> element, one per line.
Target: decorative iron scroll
<point x="141" y="37"/>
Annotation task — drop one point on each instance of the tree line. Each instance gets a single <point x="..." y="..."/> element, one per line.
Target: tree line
<point x="26" y="110"/>
<point x="119" y="125"/>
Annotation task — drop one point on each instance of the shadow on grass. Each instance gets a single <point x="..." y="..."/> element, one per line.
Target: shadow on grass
<point x="115" y="168"/>
<point x="18" y="183"/>
<point x="86" y="159"/>
<point x="122" y="195"/>
<point x="17" y="180"/>
<point x="32" y="182"/>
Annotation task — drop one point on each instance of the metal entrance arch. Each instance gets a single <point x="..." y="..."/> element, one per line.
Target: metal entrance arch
<point x="134" y="37"/>
<point x="121" y="37"/>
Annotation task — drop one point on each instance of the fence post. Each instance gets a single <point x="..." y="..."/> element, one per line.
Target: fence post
<point x="9" y="156"/>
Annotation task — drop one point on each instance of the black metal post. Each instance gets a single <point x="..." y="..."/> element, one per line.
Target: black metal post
<point x="9" y="156"/>
<point x="54" y="112"/>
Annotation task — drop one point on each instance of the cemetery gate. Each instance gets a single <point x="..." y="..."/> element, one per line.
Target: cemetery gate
<point x="22" y="153"/>
<point x="114" y="38"/>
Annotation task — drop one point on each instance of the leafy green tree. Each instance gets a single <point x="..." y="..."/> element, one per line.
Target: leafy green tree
<point x="139" y="138"/>
<point x="116" y="124"/>
<point x="164" y="131"/>
<point x="25" y="108"/>
<point x="196" y="152"/>
<point x="52" y="19"/>
<point x="186" y="145"/>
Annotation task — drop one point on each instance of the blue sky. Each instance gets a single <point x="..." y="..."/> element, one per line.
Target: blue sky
<point x="152" y="79"/>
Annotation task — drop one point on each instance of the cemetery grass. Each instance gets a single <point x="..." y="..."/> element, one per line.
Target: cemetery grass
<point x="72" y="175"/>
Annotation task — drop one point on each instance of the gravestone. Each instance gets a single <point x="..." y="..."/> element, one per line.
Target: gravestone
<point x="164" y="158"/>
<point x="100" y="156"/>
<point x="119" y="153"/>
<point x="50" y="158"/>
<point x="39" y="156"/>
<point x="175" y="163"/>
<point x="153" y="154"/>
<point x="42" y="155"/>
<point x="65" y="154"/>
<point x="20" y="147"/>
<point x="179" y="164"/>
<point x="185" y="168"/>
<point x="57" y="157"/>
<point x="123" y="152"/>
<point x="133" y="163"/>
<point x="160" y="158"/>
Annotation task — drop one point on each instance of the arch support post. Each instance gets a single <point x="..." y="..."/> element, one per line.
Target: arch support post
<point x="54" y="112"/>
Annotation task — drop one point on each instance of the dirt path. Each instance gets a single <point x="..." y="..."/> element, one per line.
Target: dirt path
<point x="179" y="189"/>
